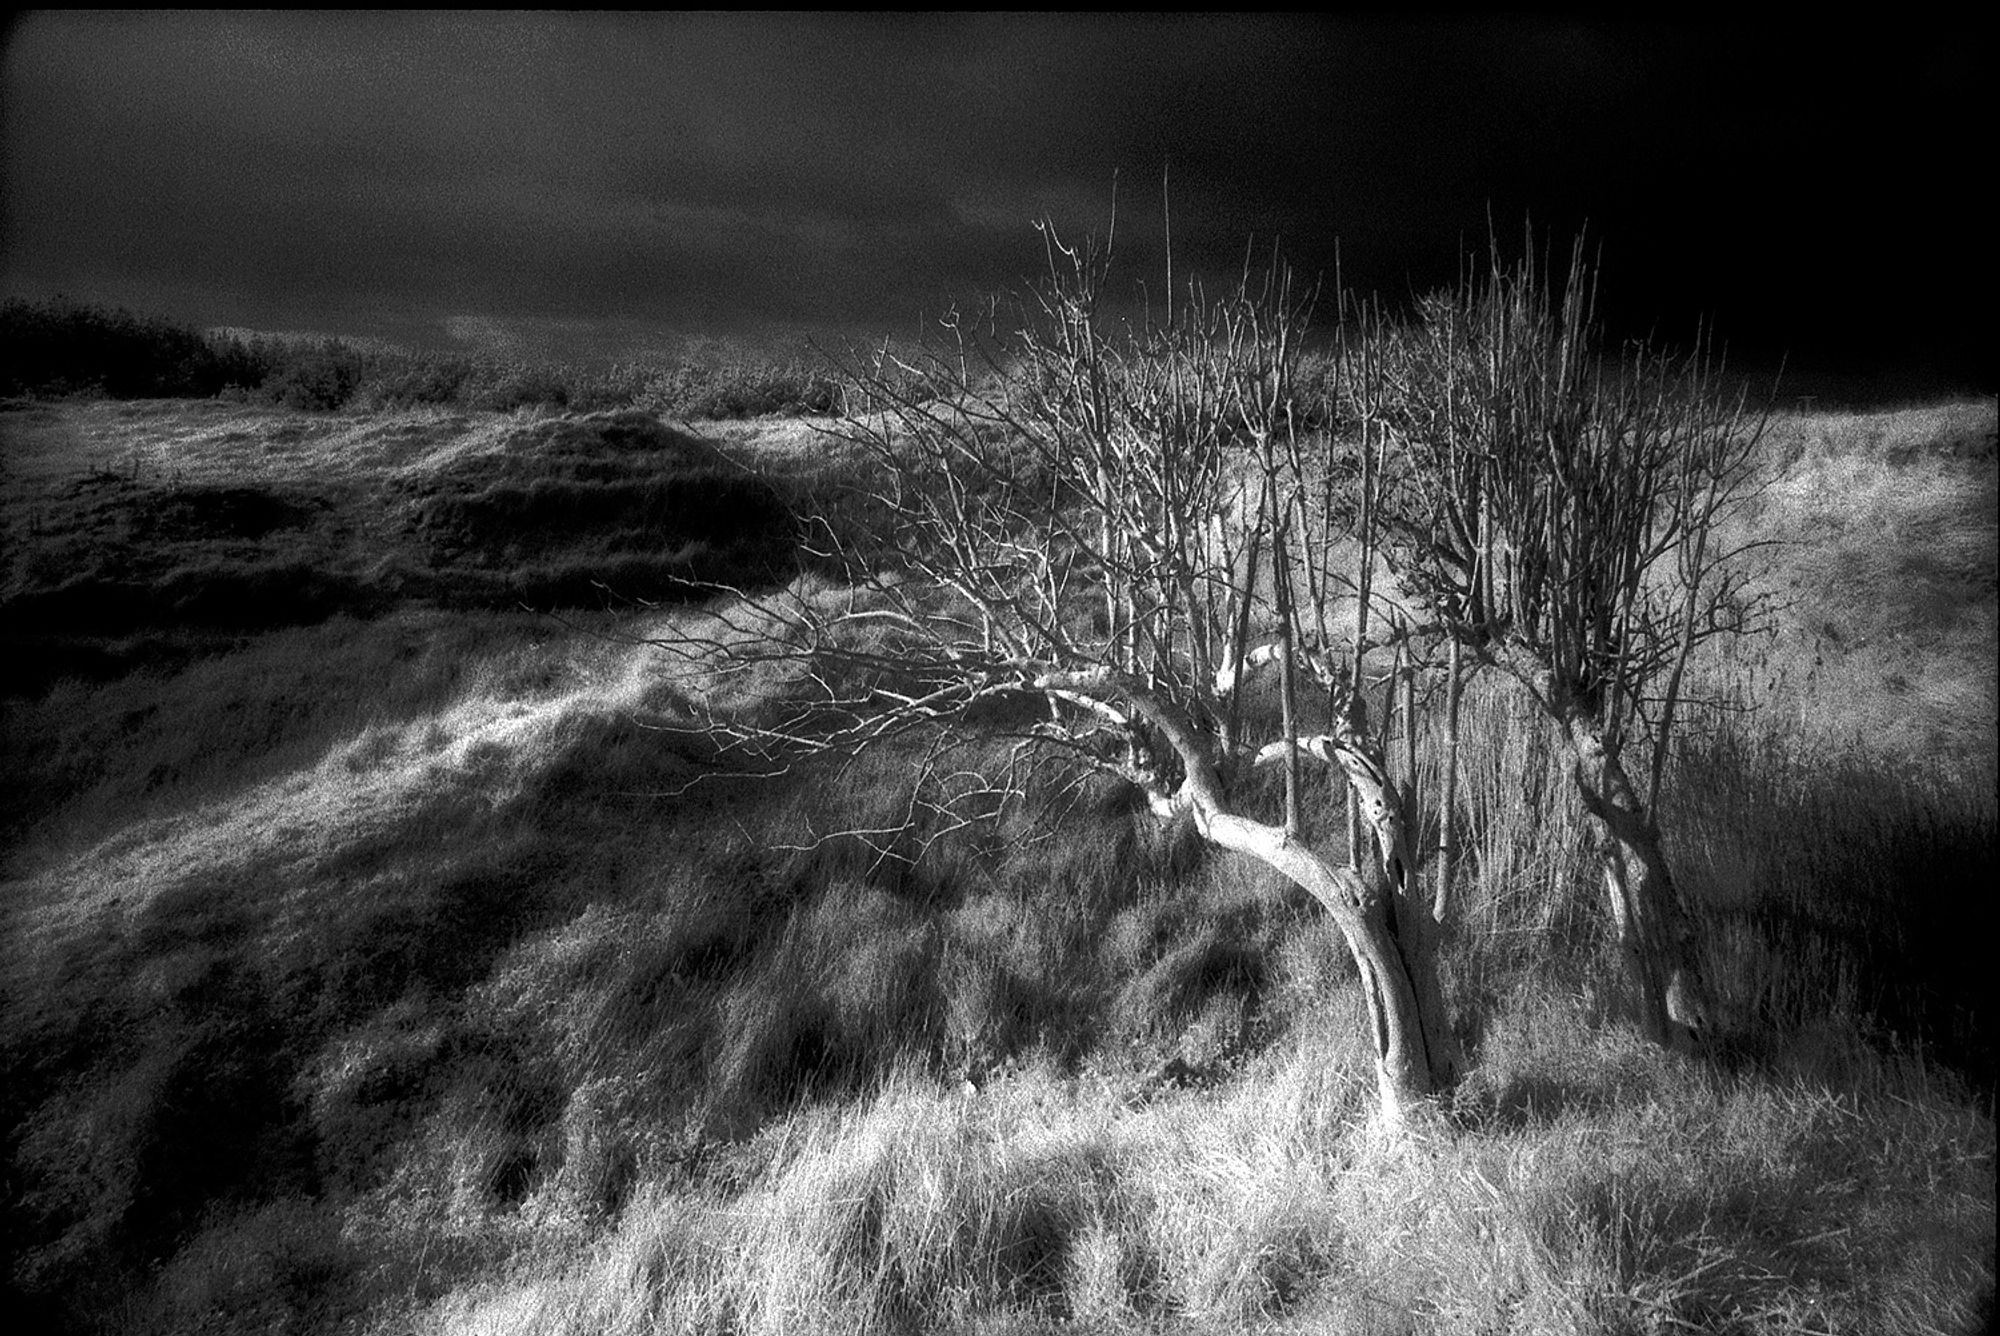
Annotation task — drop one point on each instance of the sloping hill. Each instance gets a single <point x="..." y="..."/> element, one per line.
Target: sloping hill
<point x="174" y="520"/>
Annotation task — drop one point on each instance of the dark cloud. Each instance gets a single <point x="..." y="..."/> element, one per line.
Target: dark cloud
<point x="390" y="172"/>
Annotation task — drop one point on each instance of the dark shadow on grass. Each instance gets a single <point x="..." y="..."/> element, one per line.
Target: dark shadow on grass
<point x="586" y="512"/>
<point x="1872" y="930"/>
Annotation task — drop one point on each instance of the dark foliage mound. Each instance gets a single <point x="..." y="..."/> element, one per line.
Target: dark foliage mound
<point x="583" y="511"/>
<point x="60" y="346"/>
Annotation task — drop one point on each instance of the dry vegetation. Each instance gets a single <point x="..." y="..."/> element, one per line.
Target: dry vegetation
<point x="371" y="963"/>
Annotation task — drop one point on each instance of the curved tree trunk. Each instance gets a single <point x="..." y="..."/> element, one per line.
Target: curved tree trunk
<point x="1403" y="1050"/>
<point x="1402" y="1053"/>
<point x="1414" y="923"/>
<point x="1656" y="939"/>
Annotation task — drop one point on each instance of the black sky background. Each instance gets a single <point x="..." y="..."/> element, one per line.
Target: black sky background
<point x="594" y="185"/>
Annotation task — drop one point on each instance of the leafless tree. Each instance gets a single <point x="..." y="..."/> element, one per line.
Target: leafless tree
<point x="1555" y="514"/>
<point x="1091" y="535"/>
<point x="1093" y="542"/>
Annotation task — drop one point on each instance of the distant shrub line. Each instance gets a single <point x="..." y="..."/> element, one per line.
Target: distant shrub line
<point x="60" y="347"/>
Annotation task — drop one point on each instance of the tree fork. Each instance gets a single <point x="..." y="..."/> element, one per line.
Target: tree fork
<point x="1403" y="1050"/>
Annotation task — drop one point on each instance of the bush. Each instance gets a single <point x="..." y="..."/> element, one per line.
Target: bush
<point x="739" y="389"/>
<point x="506" y="387"/>
<point x="416" y="380"/>
<point x="62" y="346"/>
<point x="322" y="378"/>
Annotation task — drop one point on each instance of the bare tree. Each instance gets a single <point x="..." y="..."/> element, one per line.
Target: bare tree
<point x="1091" y="543"/>
<point x="1556" y="514"/>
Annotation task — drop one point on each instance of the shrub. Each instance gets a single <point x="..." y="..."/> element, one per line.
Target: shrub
<point x="416" y="380"/>
<point x="739" y="389"/>
<point x="313" y="377"/>
<point x="505" y="387"/>
<point x="63" y="346"/>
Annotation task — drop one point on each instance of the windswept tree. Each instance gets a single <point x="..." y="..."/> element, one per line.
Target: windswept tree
<point x="1094" y="537"/>
<point x="1553" y="511"/>
<point x="1091" y="541"/>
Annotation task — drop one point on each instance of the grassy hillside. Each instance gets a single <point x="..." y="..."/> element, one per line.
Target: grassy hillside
<point x="180" y="524"/>
<point x="372" y="960"/>
<point x="1884" y="564"/>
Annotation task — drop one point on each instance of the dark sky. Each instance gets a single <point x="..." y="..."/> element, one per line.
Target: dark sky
<point x="604" y="183"/>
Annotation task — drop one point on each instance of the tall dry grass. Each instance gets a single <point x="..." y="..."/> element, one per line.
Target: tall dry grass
<point x="1589" y="1187"/>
